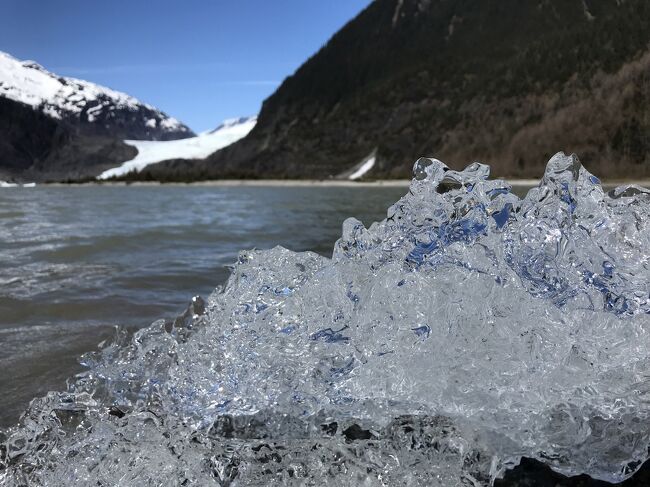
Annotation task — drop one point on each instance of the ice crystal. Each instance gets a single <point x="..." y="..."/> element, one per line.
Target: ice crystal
<point x="467" y="330"/>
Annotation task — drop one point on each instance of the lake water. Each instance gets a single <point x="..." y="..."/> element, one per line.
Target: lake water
<point x="77" y="261"/>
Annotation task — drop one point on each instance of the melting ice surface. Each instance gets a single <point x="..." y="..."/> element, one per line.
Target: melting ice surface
<point x="439" y="346"/>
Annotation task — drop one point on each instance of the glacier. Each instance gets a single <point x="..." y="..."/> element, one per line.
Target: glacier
<point x="440" y="346"/>
<point x="199" y="147"/>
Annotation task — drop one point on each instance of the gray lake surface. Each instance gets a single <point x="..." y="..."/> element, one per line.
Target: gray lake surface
<point x="77" y="261"/>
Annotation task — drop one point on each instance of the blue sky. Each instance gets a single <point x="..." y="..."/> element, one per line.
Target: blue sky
<point x="200" y="61"/>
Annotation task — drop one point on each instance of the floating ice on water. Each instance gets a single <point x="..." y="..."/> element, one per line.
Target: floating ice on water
<point x="467" y="330"/>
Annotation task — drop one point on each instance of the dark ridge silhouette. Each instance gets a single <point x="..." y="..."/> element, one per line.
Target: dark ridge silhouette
<point x="35" y="147"/>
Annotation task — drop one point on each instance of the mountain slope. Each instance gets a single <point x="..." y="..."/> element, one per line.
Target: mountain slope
<point x="88" y="108"/>
<point x="36" y="147"/>
<point x="507" y="82"/>
<point x="56" y="128"/>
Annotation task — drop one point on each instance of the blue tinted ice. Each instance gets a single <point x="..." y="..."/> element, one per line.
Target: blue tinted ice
<point x="437" y="347"/>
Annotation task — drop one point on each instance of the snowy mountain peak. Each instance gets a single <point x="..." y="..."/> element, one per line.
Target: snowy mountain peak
<point x="93" y="109"/>
<point x="234" y="122"/>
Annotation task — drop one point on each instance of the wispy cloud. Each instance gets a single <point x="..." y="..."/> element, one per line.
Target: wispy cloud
<point x="160" y="68"/>
<point x="258" y="82"/>
<point x="137" y="68"/>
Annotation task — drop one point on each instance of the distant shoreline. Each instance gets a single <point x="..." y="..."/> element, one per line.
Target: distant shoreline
<point x="387" y="183"/>
<point x="250" y="182"/>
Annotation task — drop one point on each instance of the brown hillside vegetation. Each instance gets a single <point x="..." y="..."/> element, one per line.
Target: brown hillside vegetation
<point x="607" y="123"/>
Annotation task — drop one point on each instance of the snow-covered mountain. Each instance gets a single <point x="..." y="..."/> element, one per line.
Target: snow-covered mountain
<point x="88" y="108"/>
<point x="199" y="147"/>
<point x="55" y="128"/>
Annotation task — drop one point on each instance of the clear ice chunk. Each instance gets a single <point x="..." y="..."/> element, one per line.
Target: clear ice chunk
<point x="438" y="347"/>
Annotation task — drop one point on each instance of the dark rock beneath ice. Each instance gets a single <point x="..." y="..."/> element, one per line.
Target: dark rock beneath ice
<point x="532" y="473"/>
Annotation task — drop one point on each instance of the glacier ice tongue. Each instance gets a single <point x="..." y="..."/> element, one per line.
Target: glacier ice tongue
<point x="467" y="330"/>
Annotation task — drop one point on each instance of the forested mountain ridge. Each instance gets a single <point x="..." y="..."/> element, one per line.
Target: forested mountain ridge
<point x="505" y="82"/>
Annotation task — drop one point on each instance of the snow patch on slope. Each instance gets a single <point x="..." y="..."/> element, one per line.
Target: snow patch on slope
<point x="365" y="166"/>
<point x="5" y="184"/>
<point x="200" y="147"/>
